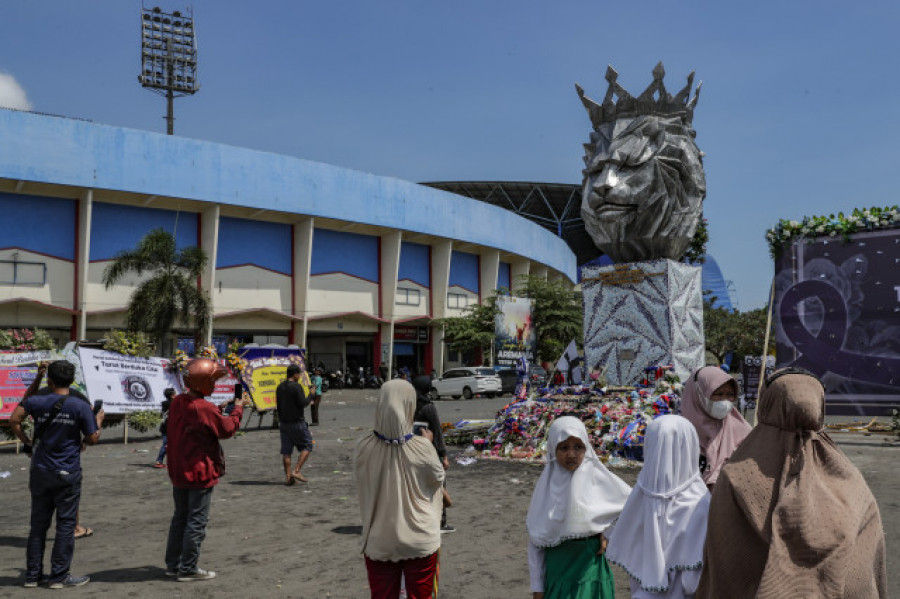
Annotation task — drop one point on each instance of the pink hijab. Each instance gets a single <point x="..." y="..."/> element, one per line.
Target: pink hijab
<point x="718" y="438"/>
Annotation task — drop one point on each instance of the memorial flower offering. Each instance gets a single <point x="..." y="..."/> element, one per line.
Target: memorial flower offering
<point x="615" y="423"/>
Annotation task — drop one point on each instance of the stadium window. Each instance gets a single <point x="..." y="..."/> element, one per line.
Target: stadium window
<point x="457" y="300"/>
<point x="408" y="297"/>
<point x="16" y="272"/>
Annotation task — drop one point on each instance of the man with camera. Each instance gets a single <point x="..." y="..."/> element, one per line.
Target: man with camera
<point x="196" y="461"/>
<point x="62" y="426"/>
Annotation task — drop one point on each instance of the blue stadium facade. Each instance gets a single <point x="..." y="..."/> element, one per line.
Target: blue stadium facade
<point x="352" y="265"/>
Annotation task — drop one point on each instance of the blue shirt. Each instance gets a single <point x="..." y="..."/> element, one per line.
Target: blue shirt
<point x="59" y="447"/>
<point x="317" y="381"/>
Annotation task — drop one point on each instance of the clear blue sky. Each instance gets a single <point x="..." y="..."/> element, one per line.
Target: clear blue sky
<point x="798" y="113"/>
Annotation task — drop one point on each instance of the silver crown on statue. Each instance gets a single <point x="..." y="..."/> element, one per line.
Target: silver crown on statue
<point x="655" y="100"/>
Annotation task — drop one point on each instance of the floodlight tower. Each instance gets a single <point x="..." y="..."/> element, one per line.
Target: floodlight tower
<point x="168" y="56"/>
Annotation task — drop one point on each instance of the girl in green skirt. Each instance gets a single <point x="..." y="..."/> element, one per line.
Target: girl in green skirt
<point x="575" y="500"/>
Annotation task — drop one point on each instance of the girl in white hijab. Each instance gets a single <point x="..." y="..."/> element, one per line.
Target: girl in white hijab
<point x="575" y="500"/>
<point x="398" y="477"/>
<point x="659" y="537"/>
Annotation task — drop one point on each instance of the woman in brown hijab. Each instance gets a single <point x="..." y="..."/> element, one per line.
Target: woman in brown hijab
<point x="790" y="515"/>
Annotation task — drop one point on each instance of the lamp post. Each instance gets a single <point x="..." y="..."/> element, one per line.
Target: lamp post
<point x="168" y="57"/>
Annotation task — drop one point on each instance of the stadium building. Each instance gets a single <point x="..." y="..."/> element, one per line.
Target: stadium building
<point x="353" y="266"/>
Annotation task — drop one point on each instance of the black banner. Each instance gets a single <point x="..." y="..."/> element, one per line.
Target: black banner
<point x="838" y="315"/>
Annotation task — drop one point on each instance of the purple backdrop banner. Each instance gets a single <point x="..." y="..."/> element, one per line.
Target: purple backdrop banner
<point x="837" y="314"/>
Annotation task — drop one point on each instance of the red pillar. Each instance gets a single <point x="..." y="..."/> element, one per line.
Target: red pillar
<point x="429" y="354"/>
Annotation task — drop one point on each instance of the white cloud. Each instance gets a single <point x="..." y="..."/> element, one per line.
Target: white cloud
<point x="11" y="93"/>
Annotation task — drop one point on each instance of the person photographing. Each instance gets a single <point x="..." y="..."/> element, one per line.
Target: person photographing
<point x="427" y="414"/>
<point x="63" y="426"/>
<point x="196" y="462"/>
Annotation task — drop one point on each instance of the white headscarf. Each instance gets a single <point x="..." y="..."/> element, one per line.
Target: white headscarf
<point x="663" y="525"/>
<point x="572" y="505"/>
<point x="398" y="479"/>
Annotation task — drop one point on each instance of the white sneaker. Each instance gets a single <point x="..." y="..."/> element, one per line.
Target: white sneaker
<point x="198" y="575"/>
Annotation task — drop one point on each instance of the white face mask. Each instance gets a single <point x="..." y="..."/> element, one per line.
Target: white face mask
<point x="719" y="409"/>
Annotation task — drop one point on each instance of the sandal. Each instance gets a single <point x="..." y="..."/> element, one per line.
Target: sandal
<point x="85" y="532"/>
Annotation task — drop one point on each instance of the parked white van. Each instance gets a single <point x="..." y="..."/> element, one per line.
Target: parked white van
<point x="466" y="382"/>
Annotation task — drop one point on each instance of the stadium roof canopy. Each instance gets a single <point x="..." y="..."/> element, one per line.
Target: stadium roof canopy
<point x="554" y="206"/>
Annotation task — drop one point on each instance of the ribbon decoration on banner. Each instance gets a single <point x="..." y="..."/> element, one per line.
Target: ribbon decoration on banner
<point x="823" y="352"/>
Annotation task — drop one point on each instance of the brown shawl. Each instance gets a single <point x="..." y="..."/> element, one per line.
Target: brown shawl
<point x="791" y="516"/>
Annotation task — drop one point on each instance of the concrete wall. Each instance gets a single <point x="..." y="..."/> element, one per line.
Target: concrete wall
<point x="339" y="293"/>
<point x="242" y="287"/>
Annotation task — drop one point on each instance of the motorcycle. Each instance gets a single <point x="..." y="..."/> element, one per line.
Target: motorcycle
<point x="348" y="380"/>
<point x="373" y="382"/>
<point x="333" y="377"/>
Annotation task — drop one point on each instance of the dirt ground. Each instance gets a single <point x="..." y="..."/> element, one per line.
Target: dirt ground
<point x="268" y="540"/>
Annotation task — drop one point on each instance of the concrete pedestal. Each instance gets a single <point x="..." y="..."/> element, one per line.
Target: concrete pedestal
<point x="641" y="314"/>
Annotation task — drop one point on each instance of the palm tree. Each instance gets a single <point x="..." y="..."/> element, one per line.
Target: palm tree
<point x="170" y="294"/>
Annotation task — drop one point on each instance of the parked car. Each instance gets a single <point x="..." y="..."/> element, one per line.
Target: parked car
<point x="466" y="382"/>
<point x="509" y="378"/>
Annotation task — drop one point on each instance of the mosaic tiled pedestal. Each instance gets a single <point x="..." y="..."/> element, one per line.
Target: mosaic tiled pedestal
<point x="640" y="314"/>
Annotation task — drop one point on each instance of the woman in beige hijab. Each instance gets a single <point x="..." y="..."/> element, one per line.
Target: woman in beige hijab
<point x="398" y="477"/>
<point x="790" y="515"/>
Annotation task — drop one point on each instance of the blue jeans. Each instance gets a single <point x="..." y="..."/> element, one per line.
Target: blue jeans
<point x="188" y="528"/>
<point x="52" y="491"/>
<point x="162" y="450"/>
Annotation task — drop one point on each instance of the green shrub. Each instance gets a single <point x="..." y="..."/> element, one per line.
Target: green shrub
<point x="144" y="421"/>
<point x="27" y="426"/>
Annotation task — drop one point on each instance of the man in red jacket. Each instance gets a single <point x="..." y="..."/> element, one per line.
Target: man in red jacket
<point x="196" y="461"/>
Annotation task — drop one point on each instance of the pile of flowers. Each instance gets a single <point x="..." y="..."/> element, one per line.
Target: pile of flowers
<point x="179" y="362"/>
<point x="867" y="219"/>
<point x="233" y="357"/>
<point x="615" y="422"/>
<point x="25" y="340"/>
<point x="208" y="351"/>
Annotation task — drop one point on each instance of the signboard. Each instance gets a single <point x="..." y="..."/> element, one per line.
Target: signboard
<point x="262" y="375"/>
<point x="750" y="374"/>
<point x="18" y="369"/>
<point x="623" y="274"/>
<point x="224" y="388"/>
<point x="407" y="333"/>
<point x="28" y="357"/>
<point x="126" y="383"/>
<point x="14" y="380"/>
<point x="837" y="314"/>
<point x="513" y="331"/>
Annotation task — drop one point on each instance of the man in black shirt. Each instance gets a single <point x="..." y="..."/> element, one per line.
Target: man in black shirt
<point x="291" y="399"/>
